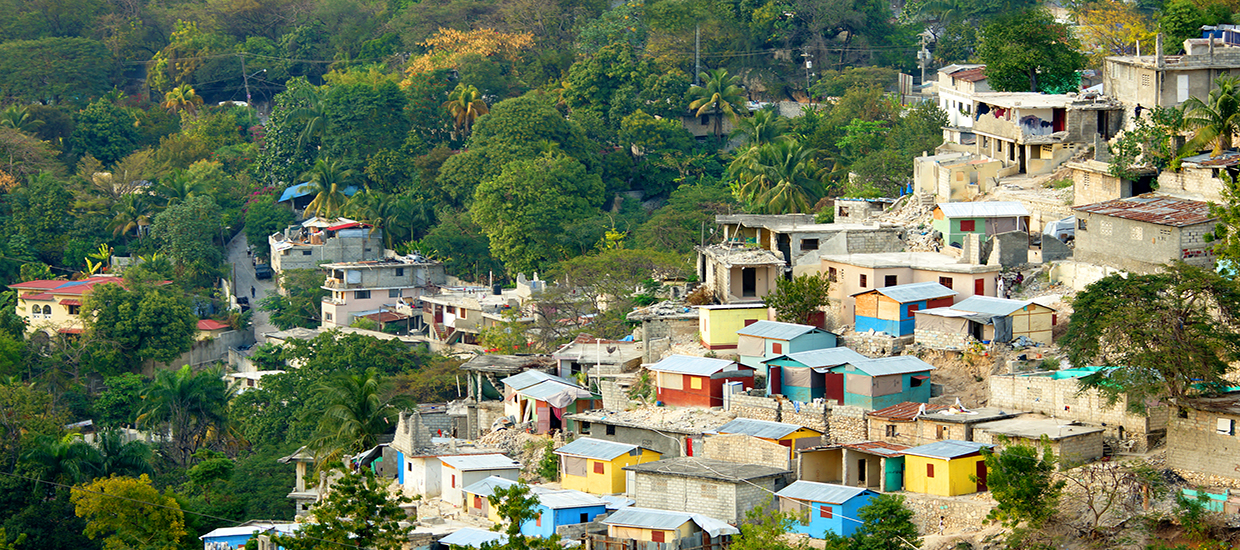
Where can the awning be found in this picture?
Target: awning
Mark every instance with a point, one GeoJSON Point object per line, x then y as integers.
{"type": "Point", "coordinates": [70, 331]}
{"type": "Point", "coordinates": [316, 222]}
{"type": "Point", "coordinates": [920, 377]}
{"type": "Point", "coordinates": [347, 225]}
{"type": "Point", "coordinates": [70, 302]}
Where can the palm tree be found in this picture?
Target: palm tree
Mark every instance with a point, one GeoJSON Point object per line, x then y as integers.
{"type": "Point", "coordinates": [329, 179]}
{"type": "Point", "coordinates": [466, 105]}
{"type": "Point", "coordinates": [310, 115]}
{"type": "Point", "coordinates": [191, 406]}
{"type": "Point", "coordinates": [763, 127]}
{"type": "Point", "coordinates": [66, 460]}
{"type": "Point", "coordinates": [1216, 119]}
{"type": "Point", "coordinates": [391, 214]}
{"type": "Point", "coordinates": [779, 178]}
{"type": "Point", "coordinates": [178, 186]}
{"type": "Point", "coordinates": [357, 413]}
{"type": "Point", "coordinates": [718, 95]}
{"type": "Point", "coordinates": [18, 118]}
{"type": "Point", "coordinates": [118, 457]}
{"type": "Point", "coordinates": [131, 213]}
{"type": "Point", "coordinates": [182, 98]}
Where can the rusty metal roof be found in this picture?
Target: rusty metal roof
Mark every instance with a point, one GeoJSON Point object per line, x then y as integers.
{"type": "Point", "coordinates": [1157, 210]}
{"type": "Point", "coordinates": [971, 75]}
{"type": "Point", "coordinates": [876, 447]}
{"type": "Point", "coordinates": [905, 411]}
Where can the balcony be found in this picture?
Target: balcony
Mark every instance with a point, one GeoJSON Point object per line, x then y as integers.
{"type": "Point", "coordinates": [334, 301]}
{"type": "Point", "coordinates": [333, 283]}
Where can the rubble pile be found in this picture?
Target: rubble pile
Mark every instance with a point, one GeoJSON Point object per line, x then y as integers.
{"type": "Point", "coordinates": [698, 420]}
{"type": "Point", "coordinates": [512, 442]}
{"type": "Point", "coordinates": [915, 218]}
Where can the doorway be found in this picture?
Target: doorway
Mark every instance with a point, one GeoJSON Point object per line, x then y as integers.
{"type": "Point", "coordinates": [981, 475]}
{"type": "Point", "coordinates": [749, 282]}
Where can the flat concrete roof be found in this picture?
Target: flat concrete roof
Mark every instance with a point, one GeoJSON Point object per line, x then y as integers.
{"type": "Point", "coordinates": [696, 467]}
{"type": "Point", "coordinates": [985, 414]}
{"type": "Point", "coordinates": [1035, 428]}
{"type": "Point", "coordinates": [931, 261]}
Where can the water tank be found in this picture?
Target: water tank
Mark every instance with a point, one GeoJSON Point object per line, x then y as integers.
{"type": "Point", "coordinates": [497, 289]}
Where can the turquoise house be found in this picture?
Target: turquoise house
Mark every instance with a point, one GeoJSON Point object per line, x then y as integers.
{"type": "Point", "coordinates": [892, 309]}
{"type": "Point", "coordinates": [830, 508]}
{"type": "Point", "coordinates": [805, 376]}
{"type": "Point", "coordinates": [768, 339]}
{"type": "Point", "coordinates": [955, 220]}
{"type": "Point", "coordinates": [880, 383]}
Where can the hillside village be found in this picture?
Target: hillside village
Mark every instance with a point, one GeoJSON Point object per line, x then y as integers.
{"type": "Point", "coordinates": [936, 346]}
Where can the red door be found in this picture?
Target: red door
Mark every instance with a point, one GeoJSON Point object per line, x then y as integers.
{"type": "Point", "coordinates": [835, 386]}
{"type": "Point", "coordinates": [979, 287]}
{"type": "Point", "coordinates": [774, 377]}
{"type": "Point", "coordinates": [981, 475]}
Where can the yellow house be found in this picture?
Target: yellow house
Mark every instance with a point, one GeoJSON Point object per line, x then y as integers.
{"type": "Point", "coordinates": [476, 503]}
{"type": "Point", "coordinates": [718, 324]}
{"type": "Point", "coordinates": [649, 525]}
{"type": "Point", "coordinates": [54, 305]}
{"type": "Point", "coordinates": [777, 432]}
{"type": "Point", "coordinates": [945, 468]}
{"type": "Point", "coordinates": [597, 466]}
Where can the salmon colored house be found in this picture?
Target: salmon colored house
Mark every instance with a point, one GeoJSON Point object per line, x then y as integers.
{"type": "Point", "coordinates": [686, 381]}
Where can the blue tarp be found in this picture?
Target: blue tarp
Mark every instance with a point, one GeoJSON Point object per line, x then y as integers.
{"type": "Point", "coordinates": [303, 189]}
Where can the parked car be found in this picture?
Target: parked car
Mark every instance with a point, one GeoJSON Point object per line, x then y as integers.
{"type": "Point", "coordinates": [262, 271]}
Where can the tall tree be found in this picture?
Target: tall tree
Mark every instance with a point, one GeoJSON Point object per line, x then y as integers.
{"type": "Point", "coordinates": [183, 98]}
{"type": "Point", "coordinates": [797, 300]}
{"type": "Point", "coordinates": [720, 94]}
{"type": "Point", "coordinates": [358, 412]}
{"type": "Point", "coordinates": [779, 177]}
{"type": "Point", "coordinates": [465, 104]}
{"type": "Point", "coordinates": [1028, 51]}
{"type": "Point", "coordinates": [1216, 119]}
{"type": "Point", "coordinates": [192, 406]}
{"type": "Point", "coordinates": [1023, 483]}
{"type": "Point", "coordinates": [129, 513]}
{"type": "Point", "coordinates": [358, 512]}
{"type": "Point", "coordinates": [1171, 334]}
{"type": "Point", "coordinates": [129, 326]}
{"type": "Point", "coordinates": [329, 179]}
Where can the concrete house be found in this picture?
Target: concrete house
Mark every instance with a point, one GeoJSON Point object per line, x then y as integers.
{"type": "Point", "coordinates": [597, 466]}
{"type": "Point", "coordinates": [957, 84]}
{"type": "Point", "coordinates": [584, 354]}
{"type": "Point", "coordinates": [806, 376]}
{"type": "Point", "coordinates": [236, 537]}
{"type": "Point", "coordinates": [798, 240]}
{"type": "Point", "coordinates": [718, 489]}
{"type": "Point", "coordinates": [874, 465]}
{"type": "Point", "coordinates": [738, 273]}
{"type": "Point", "coordinates": [687, 381]}
{"type": "Point", "coordinates": [891, 309]}
{"type": "Point", "coordinates": [636, 428]}
{"type": "Point", "coordinates": [460, 471]}
{"type": "Point", "coordinates": [854, 273]}
{"type": "Point", "coordinates": [1202, 436]}
{"type": "Point", "coordinates": [544, 399]}
{"type": "Point", "coordinates": [880, 383]}
{"type": "Point", "coordinates": [957, 219]}
{"type": "Point", "coordinates": [55, 306]}
{"type": "Point", "coordinates": [1071, 443]}
{"type": "Point", "coordinates": [945, 468]}
{"type": "Point", "coordinates": [362, 288]}
{"type": "Point", "coordinates": [1158, 80]}
{"type": "Point", "coordinates": [1056, 394]}
{"type": "Point", "coordinates": [853, 210]}
{"type": "Point", "coordinates": [316, 241]}
{"type": "Point", "coordinates": [957, 423]}
{"type": "Point", "coordinates": [1199, 178]}
{"type": "Point", "coordinates": [956, 176]}
{"type": "Point", "coordinates": [825, 507]}
{"type": "Point", "coordinates": [458, 316]}
{"type": "Point", "coordinates": [767, 339]}
{"type": "Point", "coordinates": [791, 436]}
{"type": "Point", "coordinates": [304, 495]}
{"type": "Point", "coordinates": [983, 318]}
{"type": "Point", "coordinates": [897, 424]}
{"type": "Point", "coordinates": [1143, 234]}
{"type": "Point", "coordinates": [1092, 182]}
{"type": "Point", "coordinates": [663, 526]}
{"type": "Point", "coordinates": [718, 325]}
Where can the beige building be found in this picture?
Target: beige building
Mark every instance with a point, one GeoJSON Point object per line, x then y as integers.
{"type": "Point", "coordinates": [799, 241]}
{"type": "Point", "coordinates": [458, 316]}
{"type": "Point", "coordinates": [1071, 443]}
{"type": "Point", "coordinates": [54, 306]}
{"type": "Point", "coordinates": [957, 176]}
{"type": "Point", "coordinates": [1202, 436]}
{"type": "Point", "coordinates": [984, 318]}
{"type": "Point", "coordinates": [360, 289]}
{"type": "Point", "coordinates": [853, 273]}
{"type": "Point", "coordinates": [738, 273]}
{"type": "Point", "coordinates": [1143, 234]}
{"type": "Point", "coordinates": [1160, 80]}
{"type": "Point", "coordinates": [1200, 177]}
{"type": "Point", "coordinates": [1092, 182]}
{"type": "Point", "coordinates": [318, 241]}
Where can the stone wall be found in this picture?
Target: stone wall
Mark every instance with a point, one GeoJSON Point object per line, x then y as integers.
{"type": "Point", "coordinates": [1194, 444]}
{"type": "Point", "coordinates": [1009, 249]}
{"type": "Point", "coordinates": [717, 499]}
{"type": "Point", "coordinates": [487, 413]}
{"type": "Point", "coordinates": [935, 339]}
{"type": "Point", "coordinates": [678, 330]}
{"type": "Point", "coordinates": [948, 515]}
{"type": "Point", "coordinates": [875, 344]}
{"type": "Point", "coordinates": [838, 423]}
{"type": "Point", "coordinates": [615, 398]}
{"type": "Point", "coordinates": [1194, 248]}
{"type": "Point", "coordinates": [1054, 250]}
{"type": "Point", "coordinates": [1078, 275]}
{"type": "Point", "coordinates": [746, 449]}
{"type": "Point", "coordinates": [1071, 451]}
{"type": "Point", "coordinates": [1058, 398]}
{"type": "Point", "coordinates": [1192, 183]}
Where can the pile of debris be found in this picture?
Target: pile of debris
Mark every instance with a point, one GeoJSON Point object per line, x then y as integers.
{"type": "Point", "coordinates": [915, 217]}
{"type": "Point", "coordinates": [512, 442]}
{"type": "Point", "coordinates": [694, 420]}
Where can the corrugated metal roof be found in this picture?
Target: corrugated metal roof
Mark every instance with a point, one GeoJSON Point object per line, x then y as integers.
{"type": "Point", "coordinates": [1230, 157]}
{"type": "Point", "coordinates": [991, 209]}
{"type": "Point", "coordinates": [827, 357]}
{"type": "Point", "coordinates": [821, 492]}
{"type": "Point", "coordinates": [559, 500]}
{"type": "Point", "coordinates": [877, 447]}
{"type": "Point", "coordinates": [663, 520]}
{"type": "Point", "coordinates": [1157, 210]}
{"type": "Point", "coordinates": [914, 292]}
{"type": "Point", "coordinates": [487, 486]}
{"type": "Point", "coordinates": [686, 364]}
{"type": "Point", "coordinates": [467, 463]}
{"type": "Point", "coordinates": [283, 528]}
{"type": "Point", "coordinates": [758, 428]}
{"type": "Point", "coordinates": [971, 75]}
{"type": "Point", "coordinates": [905, 411]}
{"type": "Point", "coordinates": [589, 447]}
{"type": "Point", "coordinates": [776, 330]}
{"type": "Point", "coordinates": [948, 449]}
{"type": "Point", "coordinates": [899, 364]}
{"type": "Point", "coordinates": [547, 388]}
{"type": "Point", "coordinates": [529, 378]}
{"type": "Point", "coordinates": [989, 305]}
{"type": "Point", "coordinates": [474, 538]}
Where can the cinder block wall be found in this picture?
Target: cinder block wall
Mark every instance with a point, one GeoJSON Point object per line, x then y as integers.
{"type": "Point", "coordinates": [935, 339]}
{"type": "Point", "coordinates": [1193, 443]}
{"type": "Point", "coordinates": [1059, 398]}
{"type": "Point", "coordinates": [744, 449]}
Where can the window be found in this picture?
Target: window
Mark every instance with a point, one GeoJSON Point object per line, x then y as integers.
{"type": "Point", "coordinates": [599, 467]}
{"type": "Point", "coordinates": [1136, 233]}
{"type": "Point", "coordinates": [585, 518]}
{"type": "Point", "coordinates": [477, 501]}
{"type": "Point", "coordinates": [1226, 426]}
{"type": "Point", "coordinates": [585, 428]}
{"type": "Point", "coordinates": [709, 490]}
{"type": "Point", "coordinates": [825, 512]}
{"type": "Point", "coordinates": [305, 252]}
{"type": "Point", "coordinates": [891, 430]}
{"type": "Point", "coordinates": [1145, 80]}
{"type": "Point", "coordinates": [658, 536]}
{"type": "Point", "coordinates": [777, 347]}
{"type": "Point", "coordinates": [611, 429]}
{"type": "Point", "coordinates": [967, 225]}
{"type": "Point", "coordinates": [940, 432]}
{"type": "Point", "coordinates": [393, 293]}
{"type": "Point", "coordinates": [695, 382]}
{"type": "Point", "coordinates": [917, 381]}
{"type": "Point", "coordinates": [47, 311]}
{"type": "Point", "coordinates": [538, 520]}
{"type": "Point", "coordinates": [74, 310]}
{"type": "Point", "coordinates": [361, 294]}
{"type": "Point", "coordinates": [891, 280]}
{"type": "Point", "coordinates": [831, 274]}
{"type": "Point", "coordinates": [945, 281]}
{"type": "Point", "coordinates": [809, 244]}
{"type": "Point", "coordinates": [1080, 224]}
{"type": "Point", "coordinates": [929, 470]}
{"type": "Point", "coordinates": [400, 272]}
{"type": "Point", "coordinates": [863, 281]}
{"type": "Point", "coordinates": [327, 316]}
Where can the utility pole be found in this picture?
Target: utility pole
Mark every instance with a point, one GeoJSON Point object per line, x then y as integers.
{"type": "Point", "coordinates": [697, 54]}
{"type": "Point", "coordinates": [808, 65]}
{"type": "Point", "coordinates": [245, 77]}
{"type": "Point", "coordinates": [923, 58]}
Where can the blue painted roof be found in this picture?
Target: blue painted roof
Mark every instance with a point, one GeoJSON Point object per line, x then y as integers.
{"type": "Point", "coordinates": [758, 428]}
{"type": "Point", "coordinates": [947, 449]}
{"type": "Point", "coordinates": [777, 330]}
{"type": "Point", "coordinates": [307, 188]}
{"type": "Point", "coordinates": [589, 447]}
{"type": "Point", "coordinates": [827, 357]}
{"type": "Point", "coordinates": [473, 538]}
{"type": "Point", "coordinates": [686, 364]}
{"type": "Point", "coordinates": [821, 492]}
{"type": "Point", "coordinates": [900, 364]}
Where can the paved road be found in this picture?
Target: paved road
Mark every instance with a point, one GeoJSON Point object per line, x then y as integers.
{"type": "Point", "coordinates": [245, 281]}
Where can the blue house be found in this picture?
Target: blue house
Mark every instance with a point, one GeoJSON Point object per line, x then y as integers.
{"type": "Point", "coordinates": [767, 339]}
{"type": "Point", "coordinates": [805, 376]}
{"type": "Point", "coordinates": [556, 508]}
{"type": "Point", "coordinates": [891, 309]}
{"type": "Point", "coordinates": [880, 383]}
{"type": "Point", "coordinates": [830, 508]}
{"type": "Point", "coordinates": [229, 538]}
